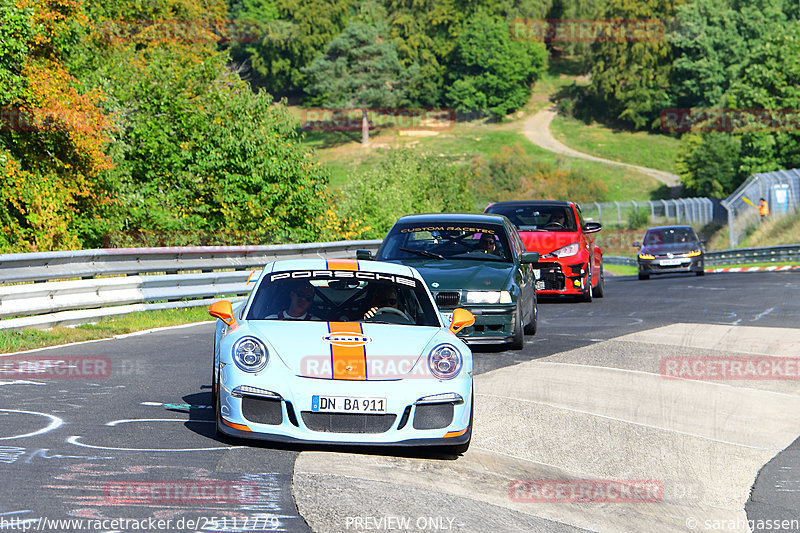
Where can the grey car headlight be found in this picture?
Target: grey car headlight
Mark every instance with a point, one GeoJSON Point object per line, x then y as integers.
{"type": "Point", "coordinates": [250, 354]}
{"type": "Point", "coordinates": [445, 361]}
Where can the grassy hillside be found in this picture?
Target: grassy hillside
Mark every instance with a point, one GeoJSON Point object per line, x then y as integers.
{"type": "Point", "coordinates": [784, 230]}
{"type": "Point", "coordinates": [343, 154]}
{"type": "Point", "coordinates": [637, 148]}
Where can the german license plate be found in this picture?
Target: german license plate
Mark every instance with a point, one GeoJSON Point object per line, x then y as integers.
{"type": "Point", "coordinates": [347, 404]}
{"type": "Point", "coordinates": [671, 262]}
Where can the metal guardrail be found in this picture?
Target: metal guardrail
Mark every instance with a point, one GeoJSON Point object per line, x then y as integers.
{"type": "Point", "coordinates": [774, 254]}
{"type": "Point", "coordinates": [44, 266]}
{"type": "Point", "coordinates": [143, 279]}
{"type": "Point", "coordinates": [48, 293]}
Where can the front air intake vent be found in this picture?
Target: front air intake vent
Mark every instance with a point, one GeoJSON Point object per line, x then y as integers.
{"type": "Point", "coordinates": [448, 298]}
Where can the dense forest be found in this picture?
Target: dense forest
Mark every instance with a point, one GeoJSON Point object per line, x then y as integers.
{"type": "Point", "coordinates": [126, 118]}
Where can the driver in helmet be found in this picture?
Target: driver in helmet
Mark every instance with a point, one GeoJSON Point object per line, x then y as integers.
{"type": "Point", "coordinates": [558, 218]}
{"type": "Point", "coordinates": [384, 296]}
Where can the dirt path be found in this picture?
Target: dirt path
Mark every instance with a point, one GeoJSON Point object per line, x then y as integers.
{"type": "Point", "coordinates": [537, 129]}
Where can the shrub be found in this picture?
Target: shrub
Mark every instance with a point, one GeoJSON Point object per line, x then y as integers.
{"type": "Point", "coordinates": [401, 183]}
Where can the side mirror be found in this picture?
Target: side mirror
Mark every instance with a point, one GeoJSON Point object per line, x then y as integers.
{"type": "Point", "coordinates": [461, 319]}
{"type": "Point", "coordinates": [592, 227]}
{"type": "Point", "coordinates": [529, 257]}
{"type": "Point", "coordinates": [224, 311]}
{"type": "Point", "coordinates": [363, 255]}
{"type": "Point", "coordinates": [637, 244]}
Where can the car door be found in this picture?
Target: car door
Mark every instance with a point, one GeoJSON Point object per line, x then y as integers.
{"type": "Point", "coordinates": [587, 242]}
{"type": "Point", "coordinates": [523, 274]}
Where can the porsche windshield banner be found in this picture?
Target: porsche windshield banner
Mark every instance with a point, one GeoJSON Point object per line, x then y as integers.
{"type": "Point", "coordinates": [343, 274]}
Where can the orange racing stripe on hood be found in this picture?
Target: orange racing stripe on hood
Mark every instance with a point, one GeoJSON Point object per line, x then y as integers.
{"type": "Point", "coordinates": [342, 264]}
{"type": "Point", "coordinates": [348, 360]}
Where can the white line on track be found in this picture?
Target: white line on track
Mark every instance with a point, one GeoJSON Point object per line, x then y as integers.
{"type": "Point", "coordinates": [117, 422]}
{"type": "Point", "coordinates": [74, 440]}
{"type": "Point", "coordinates": [54, 423]}
{"type": "Point", "coordinates": [762, 315]}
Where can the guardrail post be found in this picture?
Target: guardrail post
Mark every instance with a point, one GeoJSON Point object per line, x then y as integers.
{"type": "Point", "coordinates": [731, 219]}
{"type": "Point", "coordinates": [652, 210]}
{"type": "Point", "coordinates": [599, 212]}
{"type": "Point", "coordinates": [666, 209]}
{"type": "Point", "coordinates": [619, 213]}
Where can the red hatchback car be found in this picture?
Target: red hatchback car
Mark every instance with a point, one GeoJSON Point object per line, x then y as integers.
{"type": "Point", "coordinates": [570, 263]}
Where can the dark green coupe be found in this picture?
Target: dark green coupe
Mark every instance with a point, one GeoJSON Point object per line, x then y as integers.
{"type": "Point", "coordinates": [476, 262]}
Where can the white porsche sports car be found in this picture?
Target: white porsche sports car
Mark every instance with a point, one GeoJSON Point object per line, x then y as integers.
{"type": "Point", "coordinates": [342, 351]}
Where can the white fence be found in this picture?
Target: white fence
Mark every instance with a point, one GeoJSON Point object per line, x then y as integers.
{"type": "Point", "coordinates": [781, 190]}
{"type": "Point", "coordinates": [681, 210]}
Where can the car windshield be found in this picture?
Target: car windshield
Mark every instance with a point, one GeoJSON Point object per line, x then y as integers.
{"type": "Point", "coordinates": [343, 296]}
{"type": "Point", "coordinates": [537, 217]}
{"type": "Point", "coordinates": [483, 242]}
{"type": "Point", "coordinates": [669, 236]}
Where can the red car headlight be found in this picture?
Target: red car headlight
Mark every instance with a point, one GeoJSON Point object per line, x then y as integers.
{"type": "Point", "coordinates": [566, 251]}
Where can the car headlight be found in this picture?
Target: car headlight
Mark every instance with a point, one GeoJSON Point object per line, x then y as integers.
{"type": "Point", "coordinates": [693, 253]}
{"type": "Point", "coordinates": [646, 256]}
{"type": "Point", "coordinates": [566, 251]}
{"type": "Point", "coordinates": [488, 297]}
{"type": "Point", "coordinates": [250, 354]}
{"type": "Point", "coordinates": [445, 361]}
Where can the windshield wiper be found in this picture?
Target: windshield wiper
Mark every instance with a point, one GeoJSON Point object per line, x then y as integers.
{"type": "Point", "coordinates": [424, 253]}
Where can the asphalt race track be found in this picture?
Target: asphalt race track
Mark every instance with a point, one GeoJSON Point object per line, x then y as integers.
{"type": "Point", "coordinates": [604, 422]}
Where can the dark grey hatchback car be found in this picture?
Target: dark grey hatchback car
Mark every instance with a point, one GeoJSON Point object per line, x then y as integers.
{"type": "Point", "coordinates": [670, 249]}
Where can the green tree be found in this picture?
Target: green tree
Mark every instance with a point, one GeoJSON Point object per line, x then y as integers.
{"type": "Point", "coordinates": [286, 36]}
{"type": "Point", "coordinates": [52, 152]}
{"type": "Point", "coordinates": [630, 78]}
{"type": "Point", "coordinates": [359, 70]}
{"type": "Point", "coordinates": [490, 71]}
{"type": "Point", "coordinates": [708, 164]}
{"type": "Point", "coordinates": [771, 81]}
{"type": "Point", "coordinates": [712, 41]}
{"type": "Point", "coordinates": [400, 183]}
{"type": "Point", "coordinates": [196, 151]}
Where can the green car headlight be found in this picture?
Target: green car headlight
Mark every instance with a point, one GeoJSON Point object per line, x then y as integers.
{"type": "Point", "coordinates": [488, 297]}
